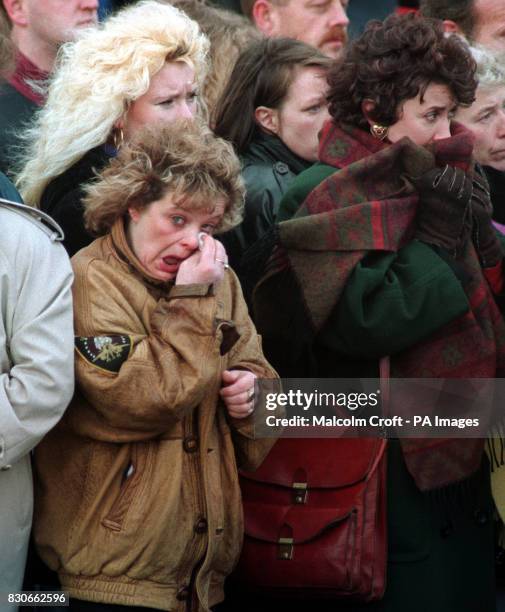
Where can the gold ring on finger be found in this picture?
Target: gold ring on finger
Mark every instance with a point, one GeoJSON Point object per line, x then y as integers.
{"type": "Point", "coordinates": [225, 263]}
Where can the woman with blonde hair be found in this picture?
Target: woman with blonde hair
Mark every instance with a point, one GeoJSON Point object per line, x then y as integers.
{"type": "Point", "coordinates": [142, 66]}
{"type": "Point", "coordinates": [138, 501]}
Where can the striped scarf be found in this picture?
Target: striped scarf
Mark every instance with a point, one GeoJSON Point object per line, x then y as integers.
{"type": "Point", "coordinates": [369, 205]}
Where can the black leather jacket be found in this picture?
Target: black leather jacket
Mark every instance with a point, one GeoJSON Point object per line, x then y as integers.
{"type": "Point", "coordinates": [268, 167]}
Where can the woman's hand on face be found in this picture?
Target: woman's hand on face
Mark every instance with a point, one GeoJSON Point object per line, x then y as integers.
{"type": "Point", "coordinates": [237, 392]}
{"type": "Point", "coordinates": [448, 182]}
{"type": "Point", "coordinates": [205, 266]}
{"type": "Point", "coordinates": [443, 216]}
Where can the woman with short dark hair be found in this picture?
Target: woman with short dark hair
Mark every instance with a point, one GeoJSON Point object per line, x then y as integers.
{"type": "Point", "coordinates": [392, 254]}
{"type": "Point", "coordinates": [390, 64]}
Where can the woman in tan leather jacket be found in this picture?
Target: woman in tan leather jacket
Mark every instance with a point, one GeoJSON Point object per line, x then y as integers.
{"type": "Point", "coordinates": [137, 496]}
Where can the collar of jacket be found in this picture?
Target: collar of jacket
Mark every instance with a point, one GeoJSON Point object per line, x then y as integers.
{"type": "Point", "coordinates": [341, 145]}
{"type": "Point", "coordinates": [270, 148]}
{"type": "Point", "coordinates": [125, 253]}
{"type": "Point", "coordinates": [26, 71]}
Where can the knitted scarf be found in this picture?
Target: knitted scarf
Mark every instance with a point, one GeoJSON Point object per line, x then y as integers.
{"type": "Point", "coordinates": [369, 205]}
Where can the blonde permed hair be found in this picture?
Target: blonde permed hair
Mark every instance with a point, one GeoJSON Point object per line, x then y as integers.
{"type": "Point", "coordinates": [183, 159]}
{"type": "Point", "coordinates": [96, 79]}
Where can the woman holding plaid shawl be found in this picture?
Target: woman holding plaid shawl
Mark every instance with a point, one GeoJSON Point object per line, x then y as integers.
{"type": "Point", "coordinates": [391, 252]}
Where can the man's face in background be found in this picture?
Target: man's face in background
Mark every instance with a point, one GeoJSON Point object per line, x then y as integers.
{"type": "Point", "coordinates": [489, 30]}
{"type": "Point", "coordinates": [57, 21]}
{"type": "Point", "coordinates": [320, 23]}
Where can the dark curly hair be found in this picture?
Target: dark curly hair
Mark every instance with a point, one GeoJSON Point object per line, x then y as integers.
{"type": "Point", "coordinates": [393, 61]}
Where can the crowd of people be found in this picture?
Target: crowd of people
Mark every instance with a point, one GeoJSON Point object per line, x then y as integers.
{"type": "Point", "coordinates": [194, 200]}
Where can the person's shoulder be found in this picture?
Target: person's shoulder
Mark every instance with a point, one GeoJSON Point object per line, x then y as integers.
{"type": "Point", "coordinates": [97, 253]}
{"type": "Point", "coordinates": [262, 159]}
{"type": "Point", "coordinates": [256, 161]}
{"type": "Point", "coordinates": [88, 165]}
{"type": "Point", "coordinates": [259, 176]}
{"type": "Point", "coordinates": [310, 178]}
{"type": "Point", "coordinates": [20, 220]}
{"type": "Point", "coordinates": [10, 95]}
{"type": "Point", "coordinates": [29, 221]}
{"type": "Point", "coordinates": [14, 106]}
{"type": "Point", "coordinates": [266, 178]}
{"type": "Point", "coordinates": [30, 245]}
{"type": "Point", "coordinates": [98, 264]}
{"type": "Point", "coordinates": [256, 153]}
{"type": "Point", "coordinates": [300, 188]}
{"type": "Point", "coordinates": [67, 187]}
{"type": "Point", "coordinates": [16, 112]}
{"type": "Point", "coordinates": [7, 189]}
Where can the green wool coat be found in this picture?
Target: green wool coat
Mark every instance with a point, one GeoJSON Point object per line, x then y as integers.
{"type": "Point", "coordinates": [441, 552]}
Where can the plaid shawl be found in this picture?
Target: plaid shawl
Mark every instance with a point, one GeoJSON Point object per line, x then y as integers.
{"type": "Point", "coordinates": [369, 205]}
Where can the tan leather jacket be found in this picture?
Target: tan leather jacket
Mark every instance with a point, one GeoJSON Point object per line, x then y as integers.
{"type": "Point", "coordinates": [138, 501]}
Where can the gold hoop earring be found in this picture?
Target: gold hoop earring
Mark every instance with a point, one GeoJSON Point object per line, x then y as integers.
{"type": "Point", "coordinates": [379, 131]}
{"type": "Point", "coordinates": [118, 138]}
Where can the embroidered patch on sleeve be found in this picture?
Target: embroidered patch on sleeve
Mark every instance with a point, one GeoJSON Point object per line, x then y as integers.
{"type": "Point", "coordinates": [104, 352]}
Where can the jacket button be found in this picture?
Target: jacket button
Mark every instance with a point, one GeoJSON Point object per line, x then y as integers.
{"type": "Point", "coordinates": [190, 444]}
{"type": "Point", "coordinates": [201, 526]}
{"type": "Point", "coordinates": [182, 594]}
{"type": "Point", "coordinates": [281, 167]}
{"type": "Point", "coordinates": [481, 517]}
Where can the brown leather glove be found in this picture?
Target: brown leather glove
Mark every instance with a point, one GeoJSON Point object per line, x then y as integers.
{"type": "Point", "coordinates": [443, 216]}
{"type": "Point", "coordinates": [484, 235]}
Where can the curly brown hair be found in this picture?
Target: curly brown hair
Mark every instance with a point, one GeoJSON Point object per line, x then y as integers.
{"type": "Point", "coordinates": [184, 159]}
{"type": "Point", "coordinates": [394, 61]}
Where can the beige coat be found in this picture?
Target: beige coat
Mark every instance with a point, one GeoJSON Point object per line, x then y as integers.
{"type": "Point", "coordinates": [138, 501]}
{"type": "Point", "coordinates": [36, 366]}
